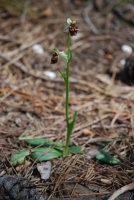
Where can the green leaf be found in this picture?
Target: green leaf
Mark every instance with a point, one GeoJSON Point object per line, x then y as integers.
{"type": "Point", "coordinates": [44, 154]}
{"type": "Point", "coordinates": [107, 158]}
{"type": "Point", "coordinates": [62, 74]}
{"type": "Point", "coordinates": [76, 150]}
{"type": "Point", "coordinates": [71, 124]}
{"type": "Point", "coordinates": [58, 148]}
{"type": "Point", "coordinates": [39, 141]}
{"type": "Point", "coordinates": [19, 157]}
{"type": "Point", "coordinates": [69, 54]}
{"type": "Point", "coordinates": [58, 144]}
{"type": "Point", "coordinates": [43, 142]}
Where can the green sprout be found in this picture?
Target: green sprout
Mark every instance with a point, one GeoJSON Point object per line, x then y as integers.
{"type": "Point", "coordinates": [71, 30]}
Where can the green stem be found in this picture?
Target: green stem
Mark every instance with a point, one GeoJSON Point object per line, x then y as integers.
{"type": "Point", "coordinates": [67, 99]}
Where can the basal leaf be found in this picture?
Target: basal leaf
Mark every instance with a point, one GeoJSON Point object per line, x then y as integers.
{"type": "Point", "coordinates": [107, 158]}
{"type": "Point", "coordinates": [58, 144]}
{"type": "Point", "coordinates": [39, 141]}
{"type": "Point", "coordinates": [76, 150]}
{"type": "Point", "coordinates": [43, 142]}
{"type": "Point", "coordinates": [44, 154]}
{"type": "Point", "coordinates": [19, 157]}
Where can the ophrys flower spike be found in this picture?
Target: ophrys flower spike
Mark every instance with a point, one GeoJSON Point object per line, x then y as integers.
{"type": "Point", "coordinates": [71, 30]}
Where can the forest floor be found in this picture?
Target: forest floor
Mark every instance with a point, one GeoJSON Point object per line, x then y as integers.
{"type": "Point", "coordinates": [32, 101]}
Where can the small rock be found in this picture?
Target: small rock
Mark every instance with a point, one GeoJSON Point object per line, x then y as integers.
{"type": "Point", "coordinates": [92, 153]}
{"type": "Point", "coordinates": [17, 188]}
{"type": "Point", "coordinates": [44, 169]}
{"type": "Point", "coordinates": [17, 121]}
{"type": "Point", "coordinates": [50, 74]}
{"type": "Point", "coordinates": [123, 62]}
{"type": "Point", "coordinates": [127, 49]}
{"type": "Point", "coordinates": [38, 49]}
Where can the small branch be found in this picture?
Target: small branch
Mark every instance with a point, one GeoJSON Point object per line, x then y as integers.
{"type": "Point", "coordinates": [88, 21]}
{"type": "Point", "coordinates": [122, 190]}
{"type": "Point", "coordinates": [22, 67]}
{"type": "Point", "coordinates": [13, 61]}
{"type": "Point", "coordinates": [6, 39]}
{"type": "Point", "coordinates": [24, 13]}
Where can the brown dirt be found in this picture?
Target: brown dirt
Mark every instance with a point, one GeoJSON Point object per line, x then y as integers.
{"type": "Point", "coordinates": [33, 104]}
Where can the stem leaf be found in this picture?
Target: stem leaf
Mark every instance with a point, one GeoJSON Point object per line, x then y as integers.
{"type": "Point", "coordinates": [69, 54]}
{"type": "Point", "coordinates": [62, 74]}
{"type": "Point", "coordinates": [71, 124]}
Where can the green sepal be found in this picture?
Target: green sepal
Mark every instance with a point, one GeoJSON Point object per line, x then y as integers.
{"type": "Point", "coordinates": [19, 157]}
{"type": "Point", "coordinates": [63, 55]}
{"type": "Point", "coordinates": [66, 29]}
{"type": "Point", "coordinates": [107, 158]}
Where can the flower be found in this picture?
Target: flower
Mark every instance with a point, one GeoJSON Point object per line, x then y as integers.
{"type": "Point", "coordinates": [56, 54]}
{"type": "Point", "coordinates": [71, 27]}
{"type": "Point", "coordinates": [54, 58]}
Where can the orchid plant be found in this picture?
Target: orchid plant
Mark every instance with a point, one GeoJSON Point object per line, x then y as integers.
{"type": "Point", "coordinates": [46, 149]}
{"type": "Point", "coordinates": [71, 30]}
{"type": "Point", "coordinates": [55, 149]}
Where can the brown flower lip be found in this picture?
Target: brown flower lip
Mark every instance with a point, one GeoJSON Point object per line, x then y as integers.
{"type": "Point", "coordinates": [73, 30]}
{"type": "Point", "coordinates": [54, 58]}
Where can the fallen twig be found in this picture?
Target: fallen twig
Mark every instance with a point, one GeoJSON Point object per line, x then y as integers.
{"type": "Point", "coordinates": [122, 190]}
{"type": "Point", "coordinates": [88, 20]}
